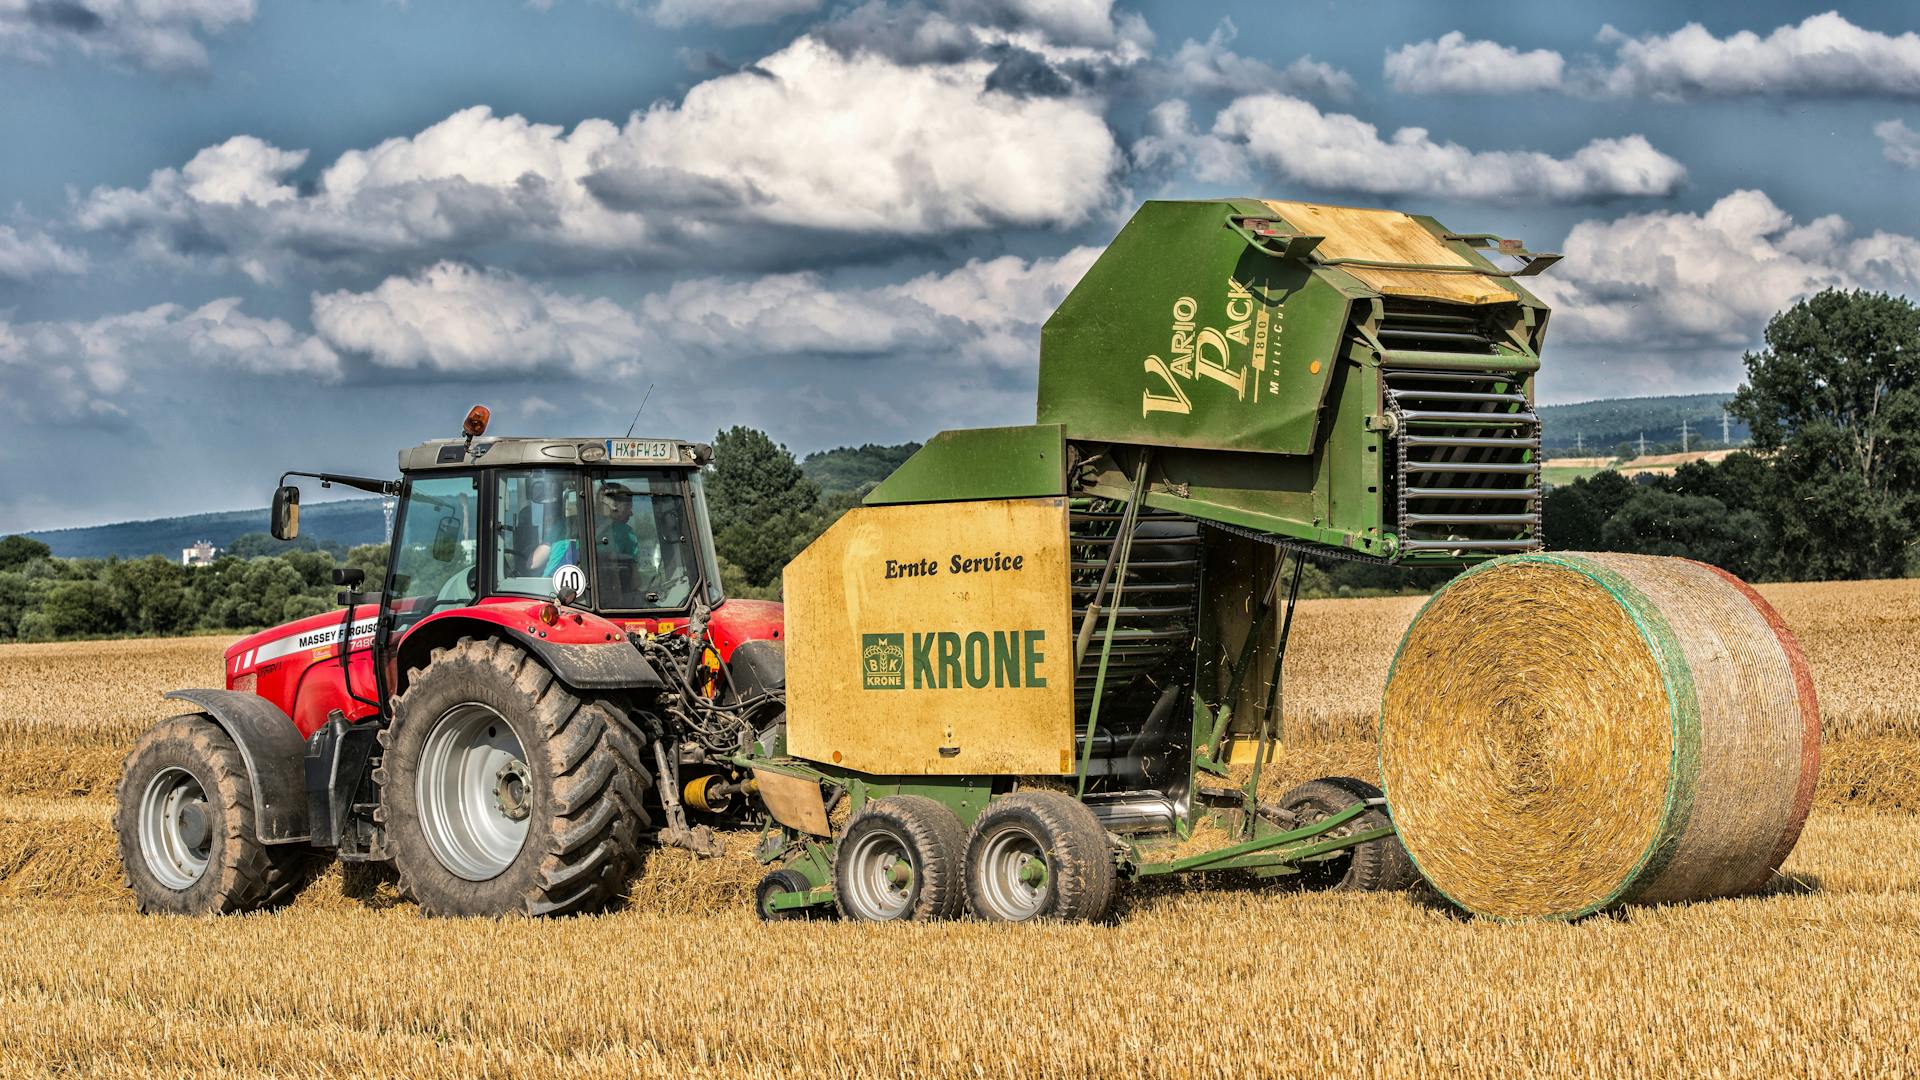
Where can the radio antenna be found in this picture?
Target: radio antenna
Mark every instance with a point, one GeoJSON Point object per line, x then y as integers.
{"type": "Point", "coordinates": [638, 411]}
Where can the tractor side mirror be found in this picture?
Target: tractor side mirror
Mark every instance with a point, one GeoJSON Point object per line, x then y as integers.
{"type": "Point", "coordinates": [286, 513]}
{"type": "Point", "coordinates": [446, 539]}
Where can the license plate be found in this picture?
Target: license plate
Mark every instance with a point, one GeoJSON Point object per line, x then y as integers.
{"type": "Point", "coordinates": [640, 450]}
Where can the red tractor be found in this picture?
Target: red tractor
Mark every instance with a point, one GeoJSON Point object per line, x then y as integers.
{"type": "Point", "coordinates": [548, 678]}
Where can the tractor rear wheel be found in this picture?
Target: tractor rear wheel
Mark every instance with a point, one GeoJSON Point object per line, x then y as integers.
{"type": "Point", "coordinates": [1039, 855]}
{"type": "Point", "coordinates": [503, 792]}
{"type": "Point", "coordinates": [900, 858]}
{"type": "Point", "coordinates": [185, 825]}
{"type": "Point", "coordinates": [1378, 865]}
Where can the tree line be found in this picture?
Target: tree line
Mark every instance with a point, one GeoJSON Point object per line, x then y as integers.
{"type": "Point", "coordinates": [1830, 489]}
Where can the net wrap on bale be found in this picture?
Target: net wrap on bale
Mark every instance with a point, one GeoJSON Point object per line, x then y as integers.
{"type": "Point", "coordinates": [1567, 732]}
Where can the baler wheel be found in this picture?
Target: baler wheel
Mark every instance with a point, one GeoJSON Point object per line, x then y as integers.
{"type": "Point", "coordinates": [1378, 865]}
{"type": "Point", "coordinates": [1039, 855]}
{"type": "Point", "coordinates": [503, 792]}
{"type": "Point", "coordinates": [780, 881]}
{"type": "Point", "coordinates": [900, 858]}
{"type": "Point", "coordinates": [184, 820]}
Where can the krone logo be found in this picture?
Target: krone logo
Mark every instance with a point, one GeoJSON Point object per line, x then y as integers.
{"type": "Point", "coordinates": [883, 661]}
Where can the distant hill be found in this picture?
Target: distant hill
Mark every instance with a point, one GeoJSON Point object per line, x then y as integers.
{"type": "Point", "coordinates": [347, 522]}
{"type": "Point", "coordinates": [850, 468]}
{"type": "Point", "coordinates": [1599, 426]}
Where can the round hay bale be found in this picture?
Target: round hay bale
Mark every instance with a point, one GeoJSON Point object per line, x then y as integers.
{"type": "Point", "coordinates": [1567, 732]}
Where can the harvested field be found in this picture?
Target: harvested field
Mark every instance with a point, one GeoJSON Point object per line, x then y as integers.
{"type": "Point", "coordinates": [1813, 978]}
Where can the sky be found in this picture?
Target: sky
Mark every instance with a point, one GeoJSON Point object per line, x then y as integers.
{"type": "Point", "coordinates": [244, 236]}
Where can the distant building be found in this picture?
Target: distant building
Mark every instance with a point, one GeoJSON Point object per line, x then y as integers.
{"type": "Point", "coordinates": [200, 554]}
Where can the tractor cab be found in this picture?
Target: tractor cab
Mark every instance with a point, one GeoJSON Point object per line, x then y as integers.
{"type": "Point", "coordinates": [617, 527]}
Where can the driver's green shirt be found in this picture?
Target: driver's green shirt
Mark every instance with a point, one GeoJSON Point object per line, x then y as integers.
{"type": "Point", "coordinates": [617, 537]}
{"type": "Point", "coordinates": [620, 538]}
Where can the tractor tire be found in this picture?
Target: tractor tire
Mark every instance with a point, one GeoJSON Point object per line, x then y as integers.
{"type": "Point", "coordinates": [780, 881]}
{"type": "Point", "coordinates": [900, 858]}
{"type": "Point", "coordinates": [1378, 865]}
{"type": "Point", "coordinates": [502, 792]}
{"type": "Point", "coordinates": [185, 825]}
{"type": "Point", "coordinates": [1039, 855]}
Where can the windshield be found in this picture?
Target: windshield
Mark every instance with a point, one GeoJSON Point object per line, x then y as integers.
{"type": "Point", "coordinates": [542, 515]}
{"type": "Point", "coordinates": [642, 547]}
{"type": "Point", "coordinates": [434, 559]}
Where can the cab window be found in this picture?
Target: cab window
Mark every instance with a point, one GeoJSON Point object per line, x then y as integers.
{"type": "Point", "coordinates": [642, 544]}
{"type": "Point", "coordinates": [436, 559]}
{"type": "Point", "coordinates": [542, 514]}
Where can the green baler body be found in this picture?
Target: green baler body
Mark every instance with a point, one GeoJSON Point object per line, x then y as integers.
{"type": "Point", "coordinates": [1280, 376]}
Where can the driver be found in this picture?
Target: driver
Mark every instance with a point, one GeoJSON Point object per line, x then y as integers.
{"type": "Point", "coordinates": [616, 531]}
{"type": "Point", "coordinates": [615, 534]}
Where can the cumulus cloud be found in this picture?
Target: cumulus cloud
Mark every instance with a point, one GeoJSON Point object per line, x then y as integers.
{"type": "Point", "coordinates": [1043, 48]}
{"type": "Point", "coordinates": [1212, 67]}
{"type": "Point", "coordinates": [809, 142]}
{"type": "Point", "coordinates": [1451, 64]}
{"type": "Point", "coordinates": [1673, 281]}
{"type": "Point", "coordinates": [989, 311]}
{"type": "Point", "coordinates": [155, 35]}
{"type": "Point", "coordinates": [1293, 141]}
{"type": "Point", "coordinates": [456, 319]}
{"type": "Point", "coordinates": [1900, 144]}
{"type": "Point", "coordinates": [1822, 56]}
{"type": "Point", "coordinates": [28, 255]}
{"type": "Point", "coordinates": [729, 12]}
{"type": "Point", "coordinates": [81, 368]}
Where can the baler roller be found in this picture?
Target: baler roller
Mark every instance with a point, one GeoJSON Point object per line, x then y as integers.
{"type": "Point", "coordinates": [1470, 519]}
{"type": "Point", "coordinates": [1472, 493]}
{"type": "Point", "coordinates": [1523, 443]}
{"type": "Point", "coordinates": [1522, 544]}
{"type": "Point", "coordinates": [1466, 419]}
{"type": "Point", "coordinates": [1507, 467]}
{"type": "Point", "coordinates": [1487, 398]}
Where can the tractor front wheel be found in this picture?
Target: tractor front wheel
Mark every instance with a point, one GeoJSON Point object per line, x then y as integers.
{"type": "Point", "coordinates": [184, 820]}
{"type": "Point", "coordinates": [504, 793]}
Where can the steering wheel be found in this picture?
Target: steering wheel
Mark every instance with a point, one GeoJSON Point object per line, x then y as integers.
{"type": "Point", "coordinates": [670, 581]}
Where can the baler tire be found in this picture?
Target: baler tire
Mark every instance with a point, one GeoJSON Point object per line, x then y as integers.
{"type": "Point", "coordinates": [582, 790]}
{"type": "Point", "coordinates": [240, 873]}
{"type": "Point", "coordinates": [1079, 878]}
{"type": "Point", "coordinates": [1379, 865]}
{"type": "Point", "coordinates": [779, 881]}
{"type": "Point", "coordinates": [927, 834]}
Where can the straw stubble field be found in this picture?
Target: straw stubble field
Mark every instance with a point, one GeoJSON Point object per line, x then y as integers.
{"type": "Point", "coordinates": [1814, 977]}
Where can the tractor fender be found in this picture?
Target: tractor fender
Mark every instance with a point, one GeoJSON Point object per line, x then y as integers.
{"type": "Point", "coordinates": [615, 666]}
{"type": "Point", "coordinates": [274, 753]}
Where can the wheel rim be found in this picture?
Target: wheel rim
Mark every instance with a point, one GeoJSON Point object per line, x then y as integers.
{"type": "Point", "coordinates": [879, 880]}
{"type": "Point", "coordinates": [1332, 870]}
{"type": "Point", "coordinates": [475, 792]}
{"type": "Point", "coordinates": [176, 828]}
{"type": "Point", "coordinates": [1012, 872]}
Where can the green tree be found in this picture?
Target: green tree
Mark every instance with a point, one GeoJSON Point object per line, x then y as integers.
{"type": "Point", "coordinates": [1660, 522]}
{"type": "Point", "coordinates": [1835, 398]}
{"type": "Point", "coordinates": [1573, 515]}
{"type": "Point", "coordinates": [81, 608]}
{"type": "Point", "coordinates": [762, 505]}
{"type": "Point", "coordinates": [18, 551]}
